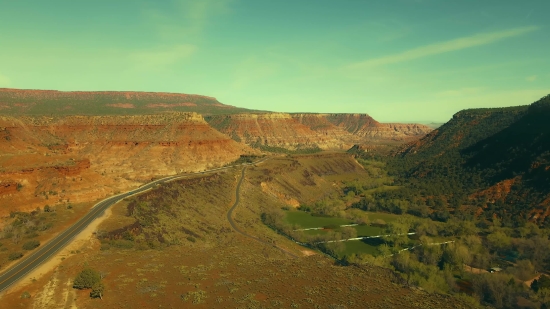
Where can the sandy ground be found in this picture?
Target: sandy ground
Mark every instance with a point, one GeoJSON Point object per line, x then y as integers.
{"type": "Point", "coordinates": [82, 240]}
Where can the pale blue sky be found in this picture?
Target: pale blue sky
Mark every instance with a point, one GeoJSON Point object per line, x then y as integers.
{"type": "Point", "coordinates": [397, 60]}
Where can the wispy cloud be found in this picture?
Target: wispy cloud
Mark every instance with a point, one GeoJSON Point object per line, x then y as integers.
{"type": "Point", "coordinates": [4, 81]}
{"type": "Point", "coordinates": [186, 19]}
{"type": "Point", "coordinates": [252, 70]}
{"type": "Point", "coordinates": [443, 47]}
{"type": "Point", "coordinates": [162, 58]}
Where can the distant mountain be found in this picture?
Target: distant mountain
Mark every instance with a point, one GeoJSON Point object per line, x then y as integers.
{"type": "Point", "coordinates": [433, 125]}
{"type": "Point", "coordinates": [495, 159]}
{"type": "Point", "coordinates": [51, 102]}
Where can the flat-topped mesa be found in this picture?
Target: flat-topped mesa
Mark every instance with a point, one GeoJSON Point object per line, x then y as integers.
{"type": "Point", "coordinates": [273, 130]}
{"type": "Point", "coordinates": [48, 102]}
{"type": "Point", "coordinates": [84, 158]}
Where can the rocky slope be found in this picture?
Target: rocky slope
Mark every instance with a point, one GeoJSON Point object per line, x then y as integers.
{"type": "Point", "coordinates": [326, 131]}
{"type": "Point", "coordinates": [58, 160]}
{"type": "Point", "coordinates": [498, 159]}
{"type": "Point", "coordinates": [50, 102]}
{"type": "Point", "coordinates": [274, 130]}
{"type": "Point", "coordinates": [363, 125]}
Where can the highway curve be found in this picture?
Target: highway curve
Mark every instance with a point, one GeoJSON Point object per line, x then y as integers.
{"type": "Point", "coordinates": [42, 253]}
{"type": "Point", "coordinates": [234, 226]}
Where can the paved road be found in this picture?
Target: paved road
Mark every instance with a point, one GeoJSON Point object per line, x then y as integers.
{"type": "Point", "coordinates": [44, 252]}
{"type": "Point", "coordinates": [234, 226]}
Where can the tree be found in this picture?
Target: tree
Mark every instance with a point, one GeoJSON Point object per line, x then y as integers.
{"type": "Point", "coordinates": [542, 283]}
{"type": "Point", "coordinates": [348, 232]}
{"type": "Point", "coordinates": [498, 241]}
{"type": "Point", "coordinates": [86, 279]}
{"type": "Point", "coordinates": [97, 290]}
{"type": "Point", "coordinates": [397, 233]}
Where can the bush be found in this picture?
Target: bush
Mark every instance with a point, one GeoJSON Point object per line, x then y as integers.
{"type": "Point", "coordinates": [86, 279]}
{"type": "Point", "coordinates": [26, 294]}
{"type": "Point", "coordinates": [31, 235]}
{"type": "Point", "coordinates": [191, 239]}
{"type": "Point", "coordinates": [122, 244]}
{"type": "Point", "coordinates": [97, 290]}
{"type": "Point", "coordinates": [15, 256]}
{"type": "Point", "coordinates": [31, 244]}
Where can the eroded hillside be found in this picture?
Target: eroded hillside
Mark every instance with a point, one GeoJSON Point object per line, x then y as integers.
{"type": "Point", "coordinates": [60, 160]}
{"type": "Point", "coordinates": [494, 161]}
{"type": "Point", "coordinates": [302, 131]}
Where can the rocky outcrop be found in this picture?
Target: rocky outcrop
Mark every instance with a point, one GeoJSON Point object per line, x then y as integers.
{"type": "Point", "coordinates": [75, 159]}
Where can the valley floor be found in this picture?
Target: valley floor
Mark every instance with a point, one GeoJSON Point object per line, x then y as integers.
{"type": "Point", "coordinates": [209, 265]}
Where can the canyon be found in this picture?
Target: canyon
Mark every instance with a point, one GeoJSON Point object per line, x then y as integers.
{"type": "Point", "coordinates": [324, 131]}
{"type": "Point", "coordinates": [60, 148]}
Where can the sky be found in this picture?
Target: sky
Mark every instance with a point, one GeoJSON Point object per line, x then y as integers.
{"type": "Point", "coordinates": [396, 60]}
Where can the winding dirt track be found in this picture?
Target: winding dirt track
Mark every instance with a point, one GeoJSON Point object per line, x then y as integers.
{"type": "Point", "coordinates": [234, 226]}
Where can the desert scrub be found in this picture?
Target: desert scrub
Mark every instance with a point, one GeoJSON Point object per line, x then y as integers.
{"type": "Point", "coordinates": [31, 244]}
{"type": "Point", "coordinates": [198, 297]}
{"type": "Point", "coordinates": [86, 279]}
{"type": "Point", "coordinates": [15, 256]}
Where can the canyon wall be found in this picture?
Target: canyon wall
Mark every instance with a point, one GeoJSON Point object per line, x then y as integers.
{"type": "Point", "coordinates": [325, 131]}
{"type": "Point", "coordinates": [59, 160]}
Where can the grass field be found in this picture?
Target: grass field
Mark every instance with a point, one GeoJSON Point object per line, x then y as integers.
{"type": "Point", "coordinates": [358, 246]}
{"type": "Point", "coordinates": [305, 220]}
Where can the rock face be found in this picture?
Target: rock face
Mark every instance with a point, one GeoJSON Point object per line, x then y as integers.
{"type": "Point", "coordinates": [75, 159]}
{"type": "Point", "coordinates": [363, 125]}
{"type": "Point", "coordinates": [47, 102]}
{"type": "Point", "coordinates": [274, 130]}
{"type": "Point", "coordinates": [99, 143]}
{"type": "Point", "coordinates": [326, 131]}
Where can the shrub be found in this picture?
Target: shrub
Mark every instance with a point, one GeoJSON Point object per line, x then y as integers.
{"type": "Point", "coordinates": [86, 279]}
{"type": "Point", "coordinates": [26, 294]}
{"type": "Point", "coordinates": [31, 235]}
{"type": "Point", "coordinates": [122, 244]}
{"type": "Point", "coordinates": [31, 244]}
{"type": "Point", "coordinates": [191, 239]}
{"type": "Point", "coordinates": [97, 290]}
{"type": "Point", "coordinates": [15, 256]}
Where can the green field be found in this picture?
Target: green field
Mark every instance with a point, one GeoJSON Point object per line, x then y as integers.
{"type": "Point", "coordinates": [358, 246]}
{"type": "Point", "coordinates": [369, 246]}
{"type": "Point", "coordinates": [305, 220]}
{"type": "Point", "coordinates": [362, 230]}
